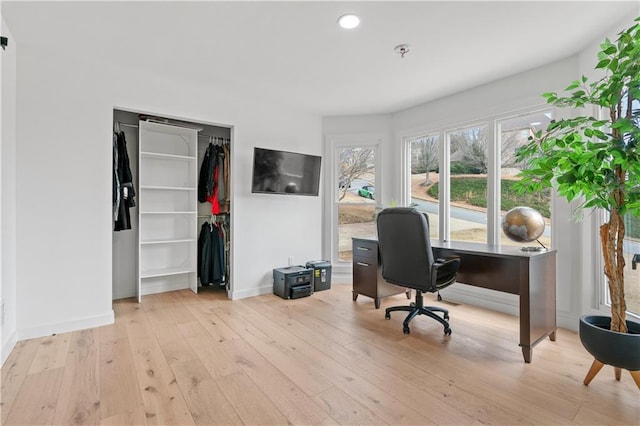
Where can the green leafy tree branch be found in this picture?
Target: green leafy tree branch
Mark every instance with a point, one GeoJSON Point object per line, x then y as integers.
{"type": "Point", "coordinates": [596, 160]}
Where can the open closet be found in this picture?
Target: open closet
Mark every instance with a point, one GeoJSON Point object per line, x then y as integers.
{"type": "Point", "coordinates": [171, 205]}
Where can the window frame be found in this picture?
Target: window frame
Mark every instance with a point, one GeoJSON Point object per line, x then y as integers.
{"type": "Point", "coordinates": [494, 158]}
{"type": "Point", "coordinates": [406, 184]}
{"type": "Point", "coordinates": [602, 300]}
{"type": "Point", "coordinates": [337, 143]}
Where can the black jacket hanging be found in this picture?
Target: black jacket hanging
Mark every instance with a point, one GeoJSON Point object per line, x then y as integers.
{"type": "Point", "coordinates": [206, 182]}
{"type": "Point", "coordinates": [211, 257]}
{"type": "Point", "coordinates": [123, 184]}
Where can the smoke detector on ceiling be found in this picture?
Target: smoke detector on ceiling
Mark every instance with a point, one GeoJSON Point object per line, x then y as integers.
{"type": "Point", "coordinates": [402, 49]}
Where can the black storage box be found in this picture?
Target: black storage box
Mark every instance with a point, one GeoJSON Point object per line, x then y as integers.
{"type": "Point", "coordinates": [321, 274]}
{"type": "Point", "coordinates": [293, 282]}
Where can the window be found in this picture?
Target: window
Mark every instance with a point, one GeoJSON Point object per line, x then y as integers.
{"type": "Point", "coordinates": [514, 133]}
{"type": "Point", "coordinates": [469, 165]}
{"type": "Point", "coordinates": [424, 177]}
{"type": "Point", "coordinates": [631, 248]}
{"type": "Point", "coordinates": [481, 169]}
{"type": "Point", "coordinates": [356, 196]}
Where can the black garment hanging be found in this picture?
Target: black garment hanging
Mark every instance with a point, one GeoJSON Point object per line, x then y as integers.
{"type": "Point", "coordinates": [116, 181]}
{"type": "Point", "coordinates": [123, 184]}
{"type": "Point", "coordinates": [211, 256]}
{"type": "Point", "coordinates": [206, 182]}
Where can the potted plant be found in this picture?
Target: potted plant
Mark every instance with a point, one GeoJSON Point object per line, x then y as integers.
{"type": "Point", "coordinates": [597, 160]}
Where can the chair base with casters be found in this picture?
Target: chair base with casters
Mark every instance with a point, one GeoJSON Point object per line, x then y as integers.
{"type": "Point", "coordinates": [418, 308]}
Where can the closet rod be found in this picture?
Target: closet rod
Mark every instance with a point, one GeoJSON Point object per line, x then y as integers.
{"type": "Point", "coordinates": [211, 136]}
{"type": "Point", "coordinates": [127, 124]}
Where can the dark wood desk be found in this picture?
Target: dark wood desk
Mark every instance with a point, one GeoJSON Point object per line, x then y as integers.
{"type": "Point", "coordinates": [530, 275]}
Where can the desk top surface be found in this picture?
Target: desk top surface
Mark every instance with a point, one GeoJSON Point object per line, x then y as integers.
{"type": "Point", "coordinates": [486, 249]}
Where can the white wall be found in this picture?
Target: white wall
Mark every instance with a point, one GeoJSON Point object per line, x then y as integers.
{"type": "Point", "coordinates": [64, 119]}
{"type": "Point", "coordinates": [8, 193]}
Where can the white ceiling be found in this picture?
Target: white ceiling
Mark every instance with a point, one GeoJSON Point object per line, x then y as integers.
{"type": "Point", "coordinates": [294, 52]}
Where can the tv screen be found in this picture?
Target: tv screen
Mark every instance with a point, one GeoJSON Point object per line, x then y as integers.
{"type": "Point", "coordinates": [283, 172]}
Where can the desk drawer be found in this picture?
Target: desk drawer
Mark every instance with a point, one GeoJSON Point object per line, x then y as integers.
{"type": "Point", "coordinates": [365, 251]}
{"type": "Point", "coordinates": [365, 278]}
{"type": "Point", "coordinates": [366, 273]}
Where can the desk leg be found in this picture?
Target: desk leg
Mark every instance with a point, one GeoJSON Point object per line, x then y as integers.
{"type": "Point", "coordinates": [527, 353]}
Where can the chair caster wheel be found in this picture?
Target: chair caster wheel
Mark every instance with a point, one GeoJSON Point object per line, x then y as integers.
{"type": "Point", "coordinates": [447, 331]}
{"type": "Point", "coordinates": [446, 317]}
{"type": "Point", "coordinates": [412, 304]}
{"type": "Point", "coordinates": [387, 315]}
{"type": "Point", "coordinates": [439, 298]}
{"type": "Point", "coordinates": [406, 330]}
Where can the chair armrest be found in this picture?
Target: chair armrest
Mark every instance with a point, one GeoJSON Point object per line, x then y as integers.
{"type": "Point", "coordinates": [449, 262]}
{"type": "Point", "coordinates": [446, 258]}
{"type": "Point", "coordinates": [444, 270]}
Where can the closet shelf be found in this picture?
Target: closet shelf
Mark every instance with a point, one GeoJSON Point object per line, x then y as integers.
{"type": "Point", "coordinates": [183, 240]}
{"type": "Point", "coordinates": [159, 155]}
{"type": "Point", "coordinates": [168, 208]}
{"type": "Point", "coordinates": [165, 272]}
{"type": "Point", "coordinates": [168, 188]}
{"type": "Point", "coordinates": [171, 212]}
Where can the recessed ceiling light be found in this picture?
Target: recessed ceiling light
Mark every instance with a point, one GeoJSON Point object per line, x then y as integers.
{"type": "Point", "coordinates": [349, 21]}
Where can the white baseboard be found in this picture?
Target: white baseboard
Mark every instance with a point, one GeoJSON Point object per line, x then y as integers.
{"type": "Point", "coordinates": [342, 277]}
{"type": "Point", "coordinates": [482, 297]}
{"type": "Point", "coordinates": [66, 326]}
{"type": "Point", "coordinates": [569, 322]}
{"type": "Point", "coordinates": [123, 294]}
{"type": "Point", "coordinates": [164, 287]}
{"type": "Point", "coordinates": [243, 294]}
{"type": "Point", "coordinates": [7, 346]}
{"type": "Point", "coordinates": [501, 302]}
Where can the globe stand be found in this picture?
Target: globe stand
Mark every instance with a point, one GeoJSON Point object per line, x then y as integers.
{"type": "Point", "coordinates": [535, 248]}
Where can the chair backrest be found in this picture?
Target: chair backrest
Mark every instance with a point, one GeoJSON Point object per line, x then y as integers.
{"type": "Point", "coordinates": [405, 248]}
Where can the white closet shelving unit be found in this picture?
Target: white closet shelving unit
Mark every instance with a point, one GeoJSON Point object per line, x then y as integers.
{"type": "Point", "coordinates": [167, 208]}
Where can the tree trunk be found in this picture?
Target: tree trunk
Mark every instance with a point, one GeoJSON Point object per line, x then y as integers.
{"type": "Point", "coordinates": [427, 181]}
{"type": "Point", "coordinates": [612, 236]}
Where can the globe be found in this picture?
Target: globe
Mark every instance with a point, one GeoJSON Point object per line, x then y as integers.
{"type": "Point", "coordinates": [523, 225]}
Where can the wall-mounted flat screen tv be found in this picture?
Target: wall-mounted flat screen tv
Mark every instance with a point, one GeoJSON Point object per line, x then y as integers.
{"type": "Point", "coordinates": [283, 172]}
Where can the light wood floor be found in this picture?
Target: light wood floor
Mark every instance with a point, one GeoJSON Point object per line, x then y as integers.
{"type": "Point", "coordinates": [180, 358]}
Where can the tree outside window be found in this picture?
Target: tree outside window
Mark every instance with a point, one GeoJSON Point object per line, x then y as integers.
{"type": "Point", "coordinates": [469, 163]}
{"type": "Point", "coordinates": [356, 195]}
{"type": "Point", "coordinates": [425, 173]}
{"type": "Point", "coordinates": [514, 133]}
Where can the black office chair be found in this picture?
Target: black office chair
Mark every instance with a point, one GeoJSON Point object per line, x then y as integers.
{"type": "Point", "coordinates": [407, 261]}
